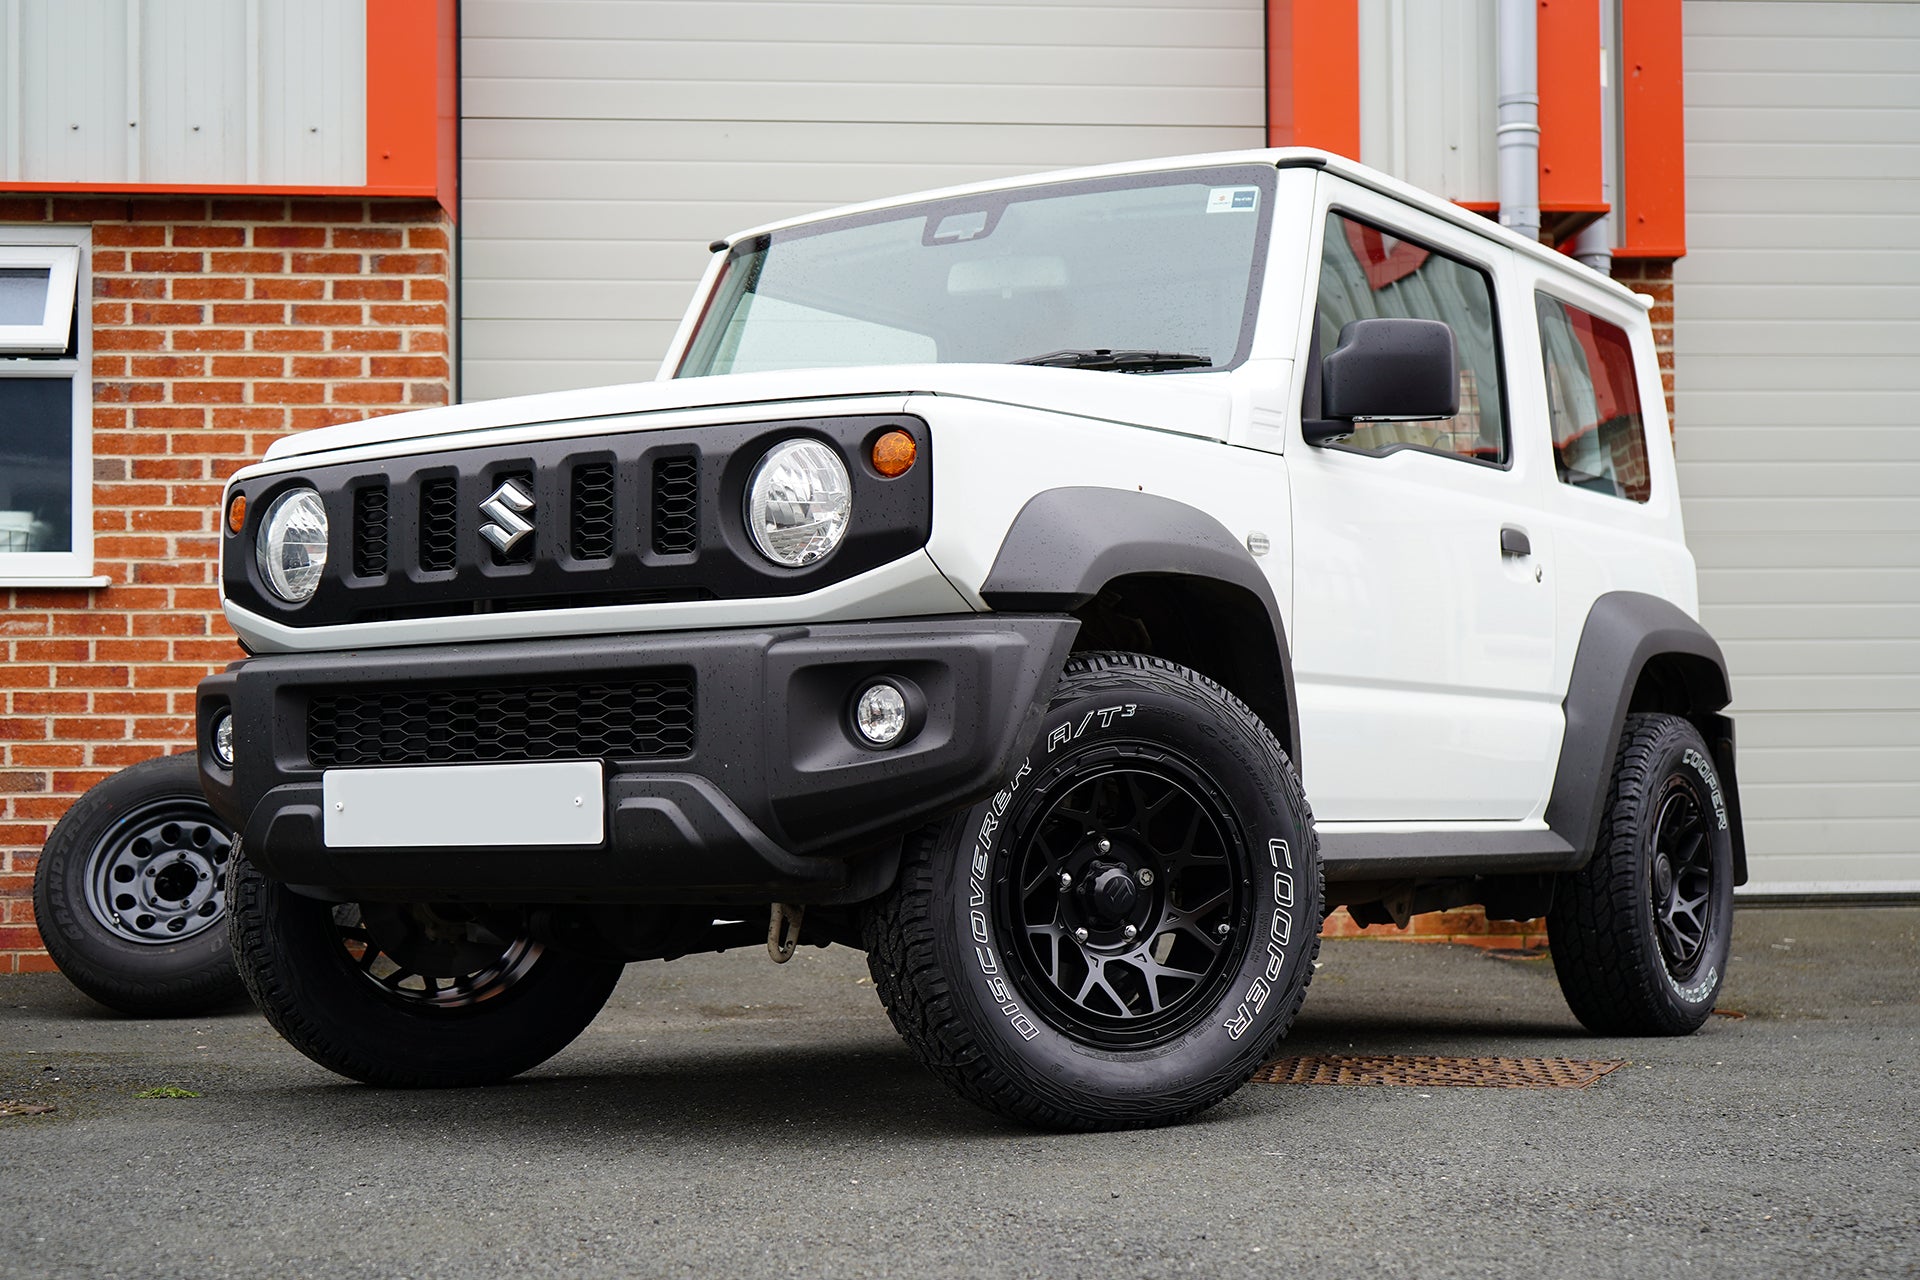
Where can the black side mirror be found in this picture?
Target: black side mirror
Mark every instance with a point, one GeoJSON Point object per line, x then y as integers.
{"type": "Point", "coordinates": [1386, 371]}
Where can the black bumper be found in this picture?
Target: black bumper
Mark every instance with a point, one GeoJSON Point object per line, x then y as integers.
{"type": "Point", "coordinates": [768, 798]}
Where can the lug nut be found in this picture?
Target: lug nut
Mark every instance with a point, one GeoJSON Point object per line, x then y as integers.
{"type": "Point", "coordinates": [1144, 875]}
{"type": "Point", "coordinates": [1066, 881]}
{"type": "Point", "coordinates": [1128, 932]}
{"type": "Point", "coordinates": [1080, 933]}
{"type": "Point", "coordinates": [1105, 846]}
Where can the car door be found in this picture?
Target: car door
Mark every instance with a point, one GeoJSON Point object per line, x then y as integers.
{"type": "Point", "coordinates": [1423, 566]}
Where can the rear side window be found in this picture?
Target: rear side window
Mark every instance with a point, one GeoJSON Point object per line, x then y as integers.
{"type": "Point", "coordinates": [1367, 273]}
{"type": "Point", "coordinates": [1599, 438]}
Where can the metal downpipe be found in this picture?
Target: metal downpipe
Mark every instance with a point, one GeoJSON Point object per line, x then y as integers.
{"type": "Point", "coordinates": [1517, 122]}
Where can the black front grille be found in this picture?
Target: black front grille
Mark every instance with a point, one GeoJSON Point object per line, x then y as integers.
{"type": "Point", "coordinates": [640, 719]}
{"type": "Point", "coordinates": [597, 520]}
{"type": "Point", "coordinates": [370, 526]}
{"type": "Point", "coordinates": [593, 509]}
{"type": "Point", "coordinates": [676, 506]}
{"type": "Point", "coordinates": [439, 524]}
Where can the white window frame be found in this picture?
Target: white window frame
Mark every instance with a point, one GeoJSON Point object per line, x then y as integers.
{"type": "Point", "coordinates": [62, 264]}
{"type": "Point", "coordinates": [30, 351]}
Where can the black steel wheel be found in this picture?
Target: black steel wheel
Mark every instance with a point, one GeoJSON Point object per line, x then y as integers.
{"type": "Point", "coordinates": [1120, 935]}
{"type": "Point", "coordinates": [409, 995]}
{"type": "Point", "coordinates": [1640, 935]}
{"type": "Point", "coordinates": [130, 893]}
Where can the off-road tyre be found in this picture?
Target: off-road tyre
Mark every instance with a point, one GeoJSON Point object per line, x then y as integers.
{"type": "Point", "coordinates": [1142, 743]}
{"type": "Point", "coordinates": [295, 955]}
{"type": "Point", "coordinates": [129, 896]}
{"type": "Point", "coordinates": [1628, 964]}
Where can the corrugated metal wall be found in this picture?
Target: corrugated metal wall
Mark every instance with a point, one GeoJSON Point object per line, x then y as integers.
{"type": "Point", "coordinates": [183, 91]}
{"type": "Point", "coordinates": [604, 144]}
{"type": "Point", "coordinates": [1427, 94]}
{"type": "Point", "coordinates": [1797, 345]}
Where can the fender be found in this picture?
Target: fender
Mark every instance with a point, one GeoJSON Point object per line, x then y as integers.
{"type": "Point", "coordinates": [1625, 632]}
{"type": "Point", "coordinates": [1068, 544]}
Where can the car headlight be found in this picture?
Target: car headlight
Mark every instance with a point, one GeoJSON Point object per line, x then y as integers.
{"type": "Point", "coordinates": [293, 545]}
{"type": "Point", "coordinates": [798, 502]}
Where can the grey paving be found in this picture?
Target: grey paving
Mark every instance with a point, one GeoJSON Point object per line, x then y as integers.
{"type": "Point", "coordinates": [725, 1117]}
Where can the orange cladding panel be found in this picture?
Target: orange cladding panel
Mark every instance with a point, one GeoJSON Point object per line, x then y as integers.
{"type": "Point", "coordinates": [1313, 75]}
{"type": "Point", "coordinates": [1654, 199]}
{"type": "Point", "coordinates": [1571, 165]}
{"type": "Point", "coordinates": [404, 91]}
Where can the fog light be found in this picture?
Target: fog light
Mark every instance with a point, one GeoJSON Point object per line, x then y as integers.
{"type": "Point", "coordinates": [881, 715]}
{"type": "Point", "coordinates": [223, 740]}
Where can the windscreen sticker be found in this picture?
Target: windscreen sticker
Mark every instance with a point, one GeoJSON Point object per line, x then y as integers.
{"type": "Point", "coordinates": [1233, 199]}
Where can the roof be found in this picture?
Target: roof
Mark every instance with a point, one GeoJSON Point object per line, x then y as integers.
{"type": "Point", "coordinates": [1280, 157]}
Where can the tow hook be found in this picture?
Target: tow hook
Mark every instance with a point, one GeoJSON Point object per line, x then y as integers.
{"type": "Point", "coordinates": [783, 931]}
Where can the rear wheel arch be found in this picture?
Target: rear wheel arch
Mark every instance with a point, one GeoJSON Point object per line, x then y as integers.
{"type": "Point", "coordinates": [1638, 654]}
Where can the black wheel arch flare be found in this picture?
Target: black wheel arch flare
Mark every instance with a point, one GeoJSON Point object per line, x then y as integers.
{"type": "Point", "coordinates": [1070, 547]}
{"type": "Point", "coordinates": [1638, 652]}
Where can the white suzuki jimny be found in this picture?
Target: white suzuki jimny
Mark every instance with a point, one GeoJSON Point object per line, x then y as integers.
{"type": "Point", "coordinates": [987, 582]}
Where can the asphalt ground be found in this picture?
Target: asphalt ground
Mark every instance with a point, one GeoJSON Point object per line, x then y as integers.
{"type": "Point", "coordinates": [724, 1117]}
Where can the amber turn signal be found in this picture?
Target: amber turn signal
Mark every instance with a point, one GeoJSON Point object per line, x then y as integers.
{"type": "Point", "coordinates": [893, 454]}
{"type": "Point", "coordinates": [237, 512]}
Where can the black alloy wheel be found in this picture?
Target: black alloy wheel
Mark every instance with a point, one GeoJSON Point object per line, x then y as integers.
{"type": "Point", "coordinates": [130, 893]}
{"type": "Point", "coordinates": [1683, 874]}
{"type": "Point", "coordinates": [1121, 934]}
{"type": "Point", "coordinates": [1129, 889]}
{"type": "Point", "coordinates": [1641, 934]}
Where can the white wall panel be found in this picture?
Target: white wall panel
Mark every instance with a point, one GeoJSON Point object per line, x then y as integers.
{"type": "Point", "coordinates": [1797, 319]}
{"type": "Point", "coordinates": [605, 142]}
{"type": "Point", "coordinates": [183, 92]}
{"type": "Point", "coordinates": [1427, 94]}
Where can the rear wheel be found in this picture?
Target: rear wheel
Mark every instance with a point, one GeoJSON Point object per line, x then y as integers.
{"type": "Point", "coordinates": [1119, 937]}
{"type": "Point", "coordinates": [1640, 935]}
{"type": "Point", "coordinates": [411, 995]}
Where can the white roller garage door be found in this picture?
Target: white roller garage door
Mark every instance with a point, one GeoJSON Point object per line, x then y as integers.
{"type": "Point", "coordinates": [605, 142]}
{"type": "Point", "coordinates": [1797, 344]}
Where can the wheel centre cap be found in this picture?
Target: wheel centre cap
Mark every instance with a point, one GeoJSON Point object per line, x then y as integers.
{"type": "Point", "coordinates": [1662, 876]}
{"type": "Point", "coordinates": [1111, 894]}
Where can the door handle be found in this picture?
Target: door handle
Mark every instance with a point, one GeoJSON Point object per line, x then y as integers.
{"type": "Point", "coordinates": [1514, 541]}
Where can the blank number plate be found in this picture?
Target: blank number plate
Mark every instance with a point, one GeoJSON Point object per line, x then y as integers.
{"type": "Point", "coordinates": [441, 806]}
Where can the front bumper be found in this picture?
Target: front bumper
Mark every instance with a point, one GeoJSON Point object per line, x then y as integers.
{"type": "Point", "coordinates": [771, 799]}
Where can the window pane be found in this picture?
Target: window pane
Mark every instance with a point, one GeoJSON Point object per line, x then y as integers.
{"type": "Point", "coordinates": [36, 464]}
{"type": "Point", "coordinates": [1154, 262]}
{"type": "Point", "coordinates": [23, 294]}
{"type": "Point", "coordinates": [1367, 274]}
{"type": "Point", "coordinates": [1599, 439]}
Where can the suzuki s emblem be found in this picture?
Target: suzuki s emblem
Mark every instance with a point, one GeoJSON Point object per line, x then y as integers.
{"type": "Point", "coordinates": [506, 507]}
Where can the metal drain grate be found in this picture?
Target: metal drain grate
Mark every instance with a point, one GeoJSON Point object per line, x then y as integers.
{"type": "Point", "coordinates": [1424, 1071]}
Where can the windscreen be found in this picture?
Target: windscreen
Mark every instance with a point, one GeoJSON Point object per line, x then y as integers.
{"type": "Point", "coordinates": [1162, 269]}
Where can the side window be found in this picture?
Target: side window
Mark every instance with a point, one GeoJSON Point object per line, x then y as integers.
{"type": "Point", "coordinates": [45, 398]}
{"type": "Point", "coordinates": [1367, 273]}
{"type": "Point", "coordinates": [1599, 439]}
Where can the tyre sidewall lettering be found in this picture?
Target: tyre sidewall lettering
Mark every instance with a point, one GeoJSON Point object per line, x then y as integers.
{"type": "Point", "coordinates": [1262, 970]}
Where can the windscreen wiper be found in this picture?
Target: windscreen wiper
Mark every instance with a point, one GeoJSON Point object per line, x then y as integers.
{"type": "Point", "coordinates": [1120, 361]}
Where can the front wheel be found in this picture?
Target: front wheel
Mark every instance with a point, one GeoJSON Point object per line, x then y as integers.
{"type": "Point", "coordinates": [1122, 933]}
{"type": "Point", "coordinates": [1640, 935]}
{"type": "Point", "coordinates": [408, 995]}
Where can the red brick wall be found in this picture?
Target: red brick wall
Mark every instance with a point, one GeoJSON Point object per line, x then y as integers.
{"type": "Point", "coordinates": [219, 325]}
{"type": "Point", "coordinates": [1654, 277]}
